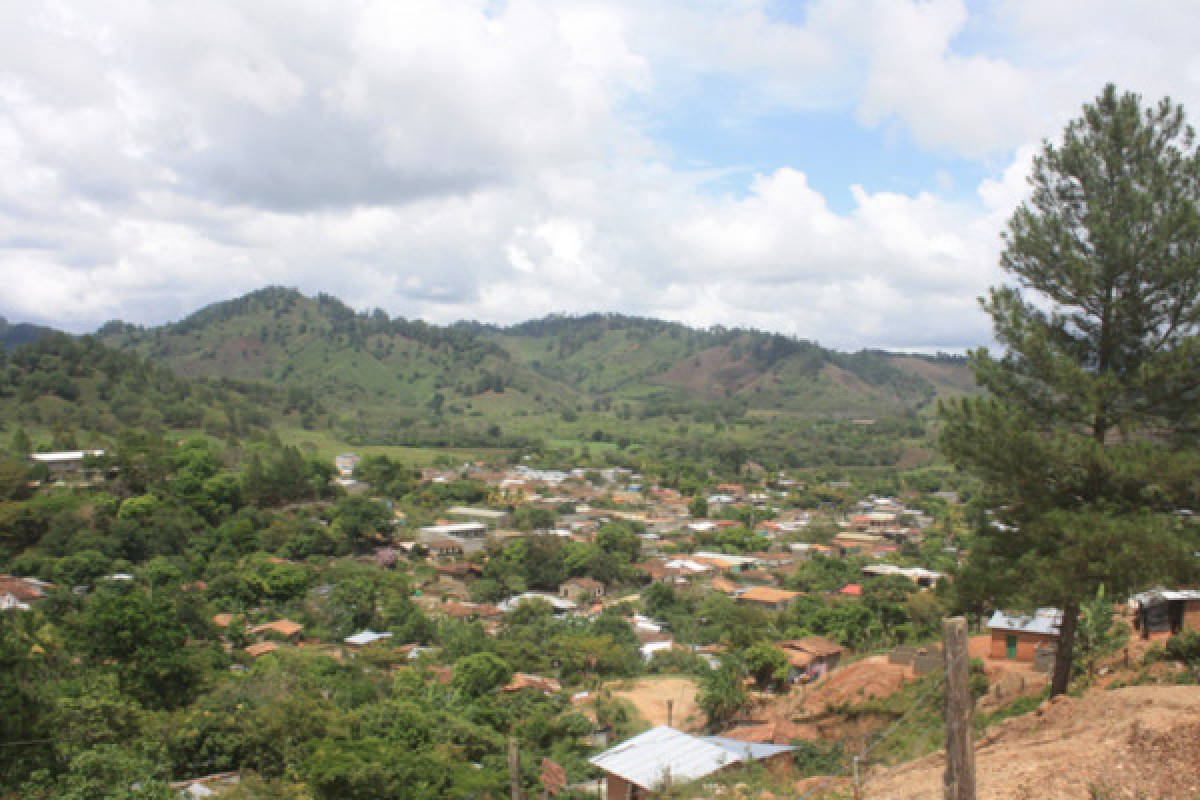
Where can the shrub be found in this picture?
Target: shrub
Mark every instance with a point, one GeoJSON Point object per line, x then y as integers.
{"type": "Point", "coordinates": [1185, 647]}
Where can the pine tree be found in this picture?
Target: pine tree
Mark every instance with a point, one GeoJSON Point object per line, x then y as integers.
{"type": "Point", "coordinates": [1084, 436]}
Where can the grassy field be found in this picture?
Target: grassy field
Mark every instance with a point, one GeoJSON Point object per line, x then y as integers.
{"type": "Point", "coordinates": [326, 445]}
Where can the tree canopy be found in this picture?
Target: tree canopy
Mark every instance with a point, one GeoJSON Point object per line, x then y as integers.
{"type": "Point", "coordinates": [1093, 403]}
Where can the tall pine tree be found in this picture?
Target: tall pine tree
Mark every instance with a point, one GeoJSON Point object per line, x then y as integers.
{"type": "Point", "coordinates": [1085, 437]}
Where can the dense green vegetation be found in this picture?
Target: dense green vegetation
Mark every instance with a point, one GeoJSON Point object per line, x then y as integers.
{"type": "Point", "coordinates": [78, 388]}
{"type": "Point", "coordinates": [119, 678]}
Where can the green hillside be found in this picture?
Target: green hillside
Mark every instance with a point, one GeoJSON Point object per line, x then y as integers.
{"type": "Point", "coordinates": [372, 377]}
{"type": "Point", "coordinates": [79, 391]}
{"type": "Point", "coordinates": [605, 382]}
{"type": "Point", "coordinates": [629, 358]}
{"type": "Point", "coordinates": [13, 336]}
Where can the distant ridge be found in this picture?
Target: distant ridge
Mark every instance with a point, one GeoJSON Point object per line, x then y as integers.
{"type": "Point", "coordinates": [12, 336]}
{"type": "Point", "coordinates": [604, 376]}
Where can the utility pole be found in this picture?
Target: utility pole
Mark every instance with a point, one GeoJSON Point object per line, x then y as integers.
{"type": "Point", "coordinates": [959, 781]}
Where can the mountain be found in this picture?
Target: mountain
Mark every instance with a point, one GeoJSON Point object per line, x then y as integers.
{"type": "Point", "coordinates": [377, 378]}
{"type": "Point", "coordinates": [12, 336]}
{"type": "Point", "coordinates": [603, 378]}
{"type": "Point", "coordinates": [648, 360]}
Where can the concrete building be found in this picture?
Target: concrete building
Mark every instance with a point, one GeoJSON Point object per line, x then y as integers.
{"type": "Point", "coordinates": [1018, 636]}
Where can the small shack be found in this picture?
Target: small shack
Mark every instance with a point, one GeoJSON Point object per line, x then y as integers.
{"type": "Point", "coordinates": [768, 597]}
{"type": "Point", "coordinates": [1160, 612]}
{"type": "Point", "coordinates": [581, 589]}
{"type": "Point", "coordinates": [811, 657]}
{"type": "Point", "coordinates": [1017, 637]}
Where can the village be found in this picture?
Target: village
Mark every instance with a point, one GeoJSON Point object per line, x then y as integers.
{"type": "Point", "coordinates": [645, 597]}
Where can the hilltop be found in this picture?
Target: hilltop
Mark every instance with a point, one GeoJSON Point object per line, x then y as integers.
{"type": "Point", "coordinates": [13, 336]}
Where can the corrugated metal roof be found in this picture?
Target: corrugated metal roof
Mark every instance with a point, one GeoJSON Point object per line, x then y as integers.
{"type": "Point", "coordinates": [1160, 595]}
{"type": "Point", "coordinates": [1044, 620]}
{"type": "Point", "coordinates": [645, 759]}
{"type": "Point", "coordinates": [366, 637]}
{"type": "Point", "coordinates": [753, 751]}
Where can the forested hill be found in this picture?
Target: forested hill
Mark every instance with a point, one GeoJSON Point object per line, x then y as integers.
{"type": "Point", "coordinates": [603, 377]}
{"type": "Point", "coordinates": [79, 389]}
{"type": "Point", "coordinates": [12, 336]}
{"type": "Point", "coordinates": [321, 345]}
{"type": "Point", "coordinates": [614, 355]}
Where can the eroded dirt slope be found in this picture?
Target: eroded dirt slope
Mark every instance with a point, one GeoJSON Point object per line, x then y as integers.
{"type": "Point", "coordinates": [1141, 741]}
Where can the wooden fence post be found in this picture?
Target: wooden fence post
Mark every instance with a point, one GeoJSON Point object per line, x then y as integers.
{"type": "Point", "coordinates": [514, 768]}
{"type": "Point", "coordinates": [959, 781]}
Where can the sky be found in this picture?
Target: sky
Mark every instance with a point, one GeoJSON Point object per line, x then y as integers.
{"type": "Point", "coordinates": [836, 170]}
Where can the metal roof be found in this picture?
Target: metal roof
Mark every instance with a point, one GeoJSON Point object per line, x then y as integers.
{"type": "Point", "coordinates": [64, 455]}
{"type": "Point", "coordinates": [559, 604]}
{"type": "Point", "coordinates": [645, 759]}
{"type": "Point", "coordinates": [1161, 595]}
{"type": "Point", "coordinates": [752, 751]}
{"type": "Point", "coordinates": [1044, 620]}
{"type": "Point", "coordinates": [366, 637]}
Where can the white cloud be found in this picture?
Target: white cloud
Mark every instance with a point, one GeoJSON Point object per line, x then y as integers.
{"type": "Point", "coordinates": [501, 160]}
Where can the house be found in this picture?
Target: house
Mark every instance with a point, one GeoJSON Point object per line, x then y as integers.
{"type": "Point", "coordinates": [9, 602]}
{"type": "Point", "coordinates": [769, 597]}
{"type": "Point", "coordinates": [1018, 636]}
{"type": "Point", "coordinates": [660, 643]}
{"type": "Point", "coordinates": [262, 648]}
{"type": "Point", "coordinates": [925, 578]}
{"type": "Point", "coordinates": [345, 464]}
{"type": "Point", "coordinates": [467, 535]}
{"type": "Point", "coordinates": [557, 604]}
{"type": "Point", "coordinates": [810, 657]}
{"type": "Point", "coordinates": [577, 588]}
{"type": "Point", "coordinates": [485, 514]}
{"type": "Point", "coordinates": [525, 680]}
{"type": "Point", "coordinates": [725, 586]}
{"type": "Point", "coordinates": [640, 767]}
{"type": "Point", "coordinates": [845, 544]}
{"type": "Point", "coordinates": [724, 562]}
{"type": "Point", "coordinates": [364, 638]}
{"type": "Point", "coordinates": [1164, 612]}
{"type": "Point", "coordinates": [446, 548]}
{"type": "Point", "coordinates": [284, 628]}
{"type": "Point", "coordinates": [192, 788]}
{"type": "Point", "coordinates": [16, 594]}
{"type": "Point", "coordinates": [224, 619]}
{"type": "Point", "coordinates": [65, 463]}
